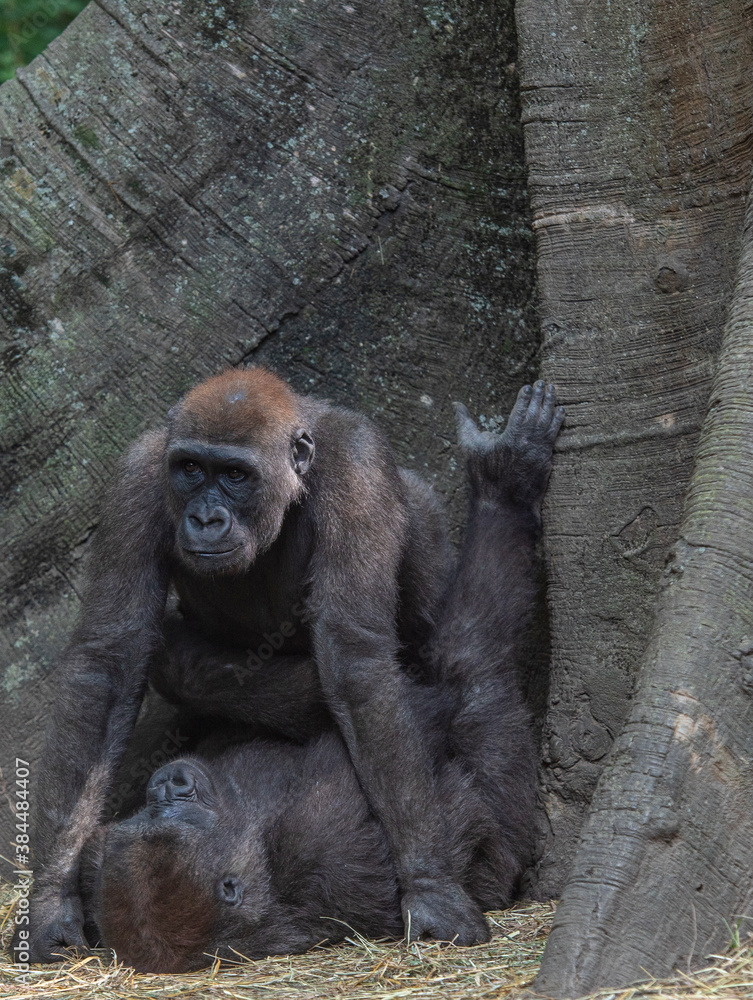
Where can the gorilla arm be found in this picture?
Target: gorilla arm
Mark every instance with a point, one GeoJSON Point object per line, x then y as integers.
{"type": "Point", "coordinates": [361, 523]}
{"type": "Point", "coordinates": [100, 685]}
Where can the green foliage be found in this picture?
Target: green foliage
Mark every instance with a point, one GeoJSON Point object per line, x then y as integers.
{"type": "Point", "coordinates": [28, 26]}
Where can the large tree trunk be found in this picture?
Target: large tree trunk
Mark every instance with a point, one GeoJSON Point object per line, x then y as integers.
{"type": "Point", "coordinates": [666, 861]}
{"type": "Point", "coordinates": [639, 131]}
{"type": "Point", "coordinates": [336, 190]}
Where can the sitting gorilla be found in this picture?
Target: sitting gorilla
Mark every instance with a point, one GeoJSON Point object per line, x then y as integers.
{"type": "Point", "coordinates": [269, 846]}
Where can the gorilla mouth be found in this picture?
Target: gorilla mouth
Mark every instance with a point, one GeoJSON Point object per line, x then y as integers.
{"type": "Point", "coordinates": [211, 554]}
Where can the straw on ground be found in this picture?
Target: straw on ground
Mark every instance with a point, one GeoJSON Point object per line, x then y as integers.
{"type": "Point", "coordinates": [360, 969]}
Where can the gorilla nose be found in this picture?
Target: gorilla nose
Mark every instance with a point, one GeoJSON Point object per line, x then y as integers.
{"type": "Point", "coordinates": [172, 783]}
{"type": "Point", "coordinates": [215, 518]}
{"type": "Point", "coordinates": [210, 523]}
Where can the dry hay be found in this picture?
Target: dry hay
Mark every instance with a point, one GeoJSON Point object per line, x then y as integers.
{"type": "Point", "coordinates": [360, 969]}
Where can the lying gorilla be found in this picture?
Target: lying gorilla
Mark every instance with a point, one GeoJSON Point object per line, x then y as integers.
{"type": "Point", "coordinates": [269, 847]}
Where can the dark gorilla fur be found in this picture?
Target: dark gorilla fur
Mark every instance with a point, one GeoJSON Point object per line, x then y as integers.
{"type": "Point", "coordinates": [309, 571]}
{"type": "Point", "coordinates": [270, 847]}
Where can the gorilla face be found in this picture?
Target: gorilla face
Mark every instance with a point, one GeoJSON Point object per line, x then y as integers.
{"type": "Point", "coordinates": [268, 849]}
{"type": "Point", "coordinates": [228, 503]}
{"type": "Point", "coordinates": [182, 874]}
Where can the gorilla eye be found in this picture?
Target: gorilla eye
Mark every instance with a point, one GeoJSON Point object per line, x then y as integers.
{"type": "Point", "coordinates": [190, 467]}
{"type": "Point", "coordinates": [236, 475]}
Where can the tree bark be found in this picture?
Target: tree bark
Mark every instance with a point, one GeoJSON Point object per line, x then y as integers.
{"type": "Point", "coordinates": [638, 132]}
{"type": "Point", "coordinates": [335, 190]}
{"type": "Point", "coordinates": [665, 866]}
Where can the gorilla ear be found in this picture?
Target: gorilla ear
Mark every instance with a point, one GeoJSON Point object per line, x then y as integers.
{"type": "Point", "coordinates": [231, 890]}
{"type": "Point", "coordinates": [302, 452]}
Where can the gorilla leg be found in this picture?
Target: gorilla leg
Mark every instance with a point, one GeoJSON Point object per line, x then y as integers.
{"type": "Point", "coordinates": [489, 785]}
{"type": "Point", "coordinates": [490, 599]}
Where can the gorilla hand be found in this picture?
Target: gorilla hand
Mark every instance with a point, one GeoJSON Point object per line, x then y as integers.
{"type": "Point", "coordinates": [445, 913]}
{"type": "Point", "coordinates": [56, 923]}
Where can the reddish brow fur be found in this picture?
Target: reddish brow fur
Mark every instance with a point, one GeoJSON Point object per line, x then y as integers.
{"type": "Point", "coordinates": [240, 406]}
{"type": "Point", "coordinates": [149, 928]}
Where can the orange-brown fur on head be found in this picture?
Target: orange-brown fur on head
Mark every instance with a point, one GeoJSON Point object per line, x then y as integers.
{"type": "Point", "coordinates": [239, 406]}
{"type": "Point", "coordinates": [149, 926]}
